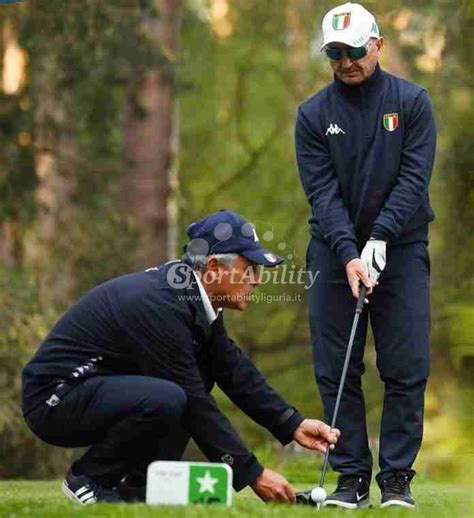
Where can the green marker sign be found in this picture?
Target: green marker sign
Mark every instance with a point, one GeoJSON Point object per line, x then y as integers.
{"type": "Point", "coordinates": [183, 483]}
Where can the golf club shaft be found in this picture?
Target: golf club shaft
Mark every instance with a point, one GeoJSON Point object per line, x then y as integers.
{"type": "Point", "coordinates": [359, 308]}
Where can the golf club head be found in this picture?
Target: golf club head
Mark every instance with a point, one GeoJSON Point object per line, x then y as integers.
{"type": "Point", "coordinates": [304, 498]}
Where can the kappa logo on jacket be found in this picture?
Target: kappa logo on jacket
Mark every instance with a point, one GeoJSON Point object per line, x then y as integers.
{"type": "Point", "coordinates": [334, 129]}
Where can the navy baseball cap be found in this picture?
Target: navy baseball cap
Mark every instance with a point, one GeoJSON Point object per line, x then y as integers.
{"type": "Point", "coordinates": [226, 232]}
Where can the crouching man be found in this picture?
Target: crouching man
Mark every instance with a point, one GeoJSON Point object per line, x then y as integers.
{"type": "Point", "coordinates": [128, 371]}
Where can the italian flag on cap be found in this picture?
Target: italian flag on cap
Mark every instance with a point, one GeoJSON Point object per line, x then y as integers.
{"type": "Point", "coordinates": [341, 21]}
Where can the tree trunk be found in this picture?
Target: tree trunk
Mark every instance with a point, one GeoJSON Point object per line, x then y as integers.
{"type": "Point", "coordinates": [149, 134]}
{"type": "Point", "coordinates": [13, 77]}
{"type": "Point", "coordinates": [299, 55]}
{"type": "Point", "coordinates": [11, 244]}
{"type": "Point", "coordinates": [55, 157]}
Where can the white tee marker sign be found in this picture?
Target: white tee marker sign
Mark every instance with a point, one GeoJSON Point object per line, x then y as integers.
{"type": "Point", "coordinates": [184, 483]}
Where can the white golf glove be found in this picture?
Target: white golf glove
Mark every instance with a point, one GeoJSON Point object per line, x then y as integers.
{"type": "Point", "coordinates": [374, 258]}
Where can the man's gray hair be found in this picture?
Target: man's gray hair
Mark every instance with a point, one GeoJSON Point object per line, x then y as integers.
{"type": "Point", "coordinates": [199, 261]}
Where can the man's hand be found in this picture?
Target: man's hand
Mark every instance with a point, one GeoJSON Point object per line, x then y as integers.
{"type": "Point", "coordinates": [374, 258]}
{"type": "Point", "coordinates": [316, 435]}
{"type": "Point", "coordinates": [356, 272]}
{"type": "Point", "coordinates": [272, 487]}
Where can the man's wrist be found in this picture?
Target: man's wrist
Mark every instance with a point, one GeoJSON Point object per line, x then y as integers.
{"type": "Point", "coordinates": [347, 262]}
{"type": "Point", "coordinates": [373, 238]}
{"type": "Point", "coordinates": [285, 430]}
{"type": "Point", "coordinates": [255, 480]}
{"type": "Point", "coordinates": [348, 253]}
{"type": "Point", "coordinates": [378, 234]}
{"type": "Point", "coordinates": [292, 425]}
{"type": "Point", "coordinates": [255, 472]}
{"type": "Point", "coordinates": [245, 472]}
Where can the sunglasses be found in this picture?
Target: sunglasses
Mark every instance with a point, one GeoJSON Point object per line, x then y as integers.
{"type": "Point", "coordinates": [352, 53]}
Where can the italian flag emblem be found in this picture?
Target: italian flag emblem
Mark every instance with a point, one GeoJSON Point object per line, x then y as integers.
{"type": "Point", "coordinates": [341, 21]}
{"type": "Point", "coordinates": [390, 121]}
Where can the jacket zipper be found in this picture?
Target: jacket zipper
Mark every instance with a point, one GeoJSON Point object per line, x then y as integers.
{"type": "Point", "coordinates": [365, 118]}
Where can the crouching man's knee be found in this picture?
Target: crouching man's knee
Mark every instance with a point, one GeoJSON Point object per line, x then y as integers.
{"type": "Point", "coordinates": [168, 402]}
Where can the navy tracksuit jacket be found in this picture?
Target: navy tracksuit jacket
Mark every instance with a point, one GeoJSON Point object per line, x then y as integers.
{"type": "Point", "coordinates": [365, 155]}
{"type": "Point", "coordinates": [132, 364]}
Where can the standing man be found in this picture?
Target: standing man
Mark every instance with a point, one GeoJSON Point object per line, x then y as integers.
{"type": "Point", "coordinates": [128, 371]}
{"type": "Point", "coordinates": [365, 148]}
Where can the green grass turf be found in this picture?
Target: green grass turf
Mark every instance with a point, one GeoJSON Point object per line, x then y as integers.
{"type": "Point", "coordinates": [45, 499]}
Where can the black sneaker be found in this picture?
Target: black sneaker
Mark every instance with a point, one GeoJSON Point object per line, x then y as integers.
{"type": "Point", "coordinates": [131, 492]}
{"type": "Point", "coordinates": [352, 492]}
{"type": "Point", "coordinates": [396, 490]}
{"type": "Point", "coordinates": [83, 490]}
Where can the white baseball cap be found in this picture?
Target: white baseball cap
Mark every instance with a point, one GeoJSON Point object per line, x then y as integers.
{"type": "Point", "coordinates": [351, 24]}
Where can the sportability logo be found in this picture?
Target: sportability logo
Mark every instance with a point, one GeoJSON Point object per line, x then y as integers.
{"type": "Point", "coordinates": [390, 121]}
{"type": "Point", "coordinates": [341, 21]}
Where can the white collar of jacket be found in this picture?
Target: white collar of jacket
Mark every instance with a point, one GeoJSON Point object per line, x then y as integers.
{"type": "Point", "coordinates": [211, 313]}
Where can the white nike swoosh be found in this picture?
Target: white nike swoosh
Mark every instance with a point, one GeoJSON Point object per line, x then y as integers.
{"type": "Point", "coordinates": [360, 497]}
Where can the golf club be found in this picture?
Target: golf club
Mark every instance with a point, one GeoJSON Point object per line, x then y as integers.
{"type": "Point", "coordinates": [318, 494]}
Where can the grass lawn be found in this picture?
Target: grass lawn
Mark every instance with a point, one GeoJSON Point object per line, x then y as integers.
{"type": "Point", "coordinates": [45, 499]}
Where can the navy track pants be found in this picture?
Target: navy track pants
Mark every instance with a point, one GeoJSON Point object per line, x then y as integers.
{"type": "Point", "coordinates": [128, 421]}
{"type": "Point", "coordinates": [399, 313]}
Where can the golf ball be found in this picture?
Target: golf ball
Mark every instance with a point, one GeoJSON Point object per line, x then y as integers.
{"type": "Point", "coordinates": [318, 495]}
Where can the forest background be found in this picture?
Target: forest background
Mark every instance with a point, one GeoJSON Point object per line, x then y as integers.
{"type": "Point", "coordinates": [122, 121]}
